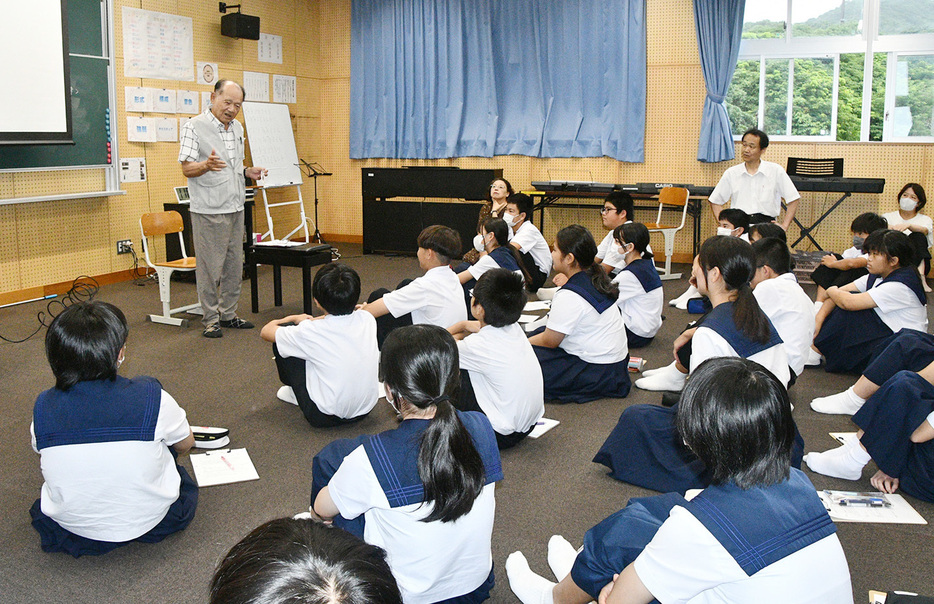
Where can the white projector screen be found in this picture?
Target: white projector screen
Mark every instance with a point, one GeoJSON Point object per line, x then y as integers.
{"type": "Point", "coordinates": [36, 105]}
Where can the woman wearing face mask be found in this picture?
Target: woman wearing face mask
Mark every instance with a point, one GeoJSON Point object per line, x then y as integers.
{"type": "Point", "coordinates": [919, 228]}
{"type": "Point", "coordinates": [499, 190]}
{"type": "Point", "coordinates": [641, 297]}
{"type": "Point", "coordinates": [494, 234]}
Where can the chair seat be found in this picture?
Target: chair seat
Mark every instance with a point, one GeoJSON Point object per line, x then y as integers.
{"type": "Point", "coordinates": [181, 264]}
{"type": "Point", "coordinates": [654, 226]}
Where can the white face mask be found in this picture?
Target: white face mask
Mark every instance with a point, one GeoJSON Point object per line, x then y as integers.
{"type": "Point", "coordinates": [509, 218]}
{"type": "Point", "coordinates": [724, 231]}
{"type": "Point", "coordinates": [478, 243]}
{"type": "Point", "coordinates": [907, 204]}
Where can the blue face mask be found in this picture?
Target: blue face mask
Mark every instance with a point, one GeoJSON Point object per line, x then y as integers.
{"type": "Point", "coordinates": [858, 242]}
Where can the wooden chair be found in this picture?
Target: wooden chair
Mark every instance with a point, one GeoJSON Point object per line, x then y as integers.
{"type": "Point", "coordinates": [674, 198]}
{"type": "Point", "coordinates": [158, 224]}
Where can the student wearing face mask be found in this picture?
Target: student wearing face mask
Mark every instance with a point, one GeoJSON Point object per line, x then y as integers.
{"type": "Point", "coordinates": [640, 288]}
{"type": "Point", "coordinates": [497, 253]}
{"type": "Point", "coordinates": [840, 269]}
{"type": "Point", "coordinates": [919, 228]}
{"type": "Point", "coordinates": [527, 239]}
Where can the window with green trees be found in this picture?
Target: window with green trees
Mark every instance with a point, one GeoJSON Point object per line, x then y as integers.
{"type": "Point", "coordinates": [845, 70]}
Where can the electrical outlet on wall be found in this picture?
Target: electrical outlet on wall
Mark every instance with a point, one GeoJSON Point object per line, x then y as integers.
{"type": "Point", "coordinates": [124, 246]}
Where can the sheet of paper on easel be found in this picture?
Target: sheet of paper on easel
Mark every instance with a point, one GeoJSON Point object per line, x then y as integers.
{"type": "Point", "coordinates": [272, 143]}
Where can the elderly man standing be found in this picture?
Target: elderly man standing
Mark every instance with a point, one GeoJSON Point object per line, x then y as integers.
{"type": "Point", "coordinates": [212, 158]}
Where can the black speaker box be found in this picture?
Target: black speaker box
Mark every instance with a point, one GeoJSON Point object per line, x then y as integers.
{"type": "Point", "coordinates": [238, 25]}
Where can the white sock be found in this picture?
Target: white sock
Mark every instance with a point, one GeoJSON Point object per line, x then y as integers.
{"type": "Point", "coordinates": [649, 372]}
{"type": "Point", "coordinates": [528, 587]}
{"type": "Point", "coordinates": [669, 380]}
{"type": "Point", "coordinates": [845, 462]}
{"type": "Point", "coordinates": [842, 403]}
{"type": "Point", "coordinates": [561, 556]}
{"type": "Point", "coordinates": [287, 395]}
{"type": "Point", "coordinates": [690, 292]}
{"type": "Point", "coordinates": [813, 359]}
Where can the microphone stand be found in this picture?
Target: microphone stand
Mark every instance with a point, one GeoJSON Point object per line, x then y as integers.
{"type": "Point", "coordinates": [314, 170]}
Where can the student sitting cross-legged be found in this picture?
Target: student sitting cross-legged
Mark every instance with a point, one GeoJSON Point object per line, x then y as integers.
{"type": "Point", "coordinates": [108, 443]}
{"type": "Point", "coordinates": [494, 234]}
{"type": "Point", "coordinates": [328, 363]}
{"type": "Point", "coordinates": [757, 533]}
{"type": "Point", "coordinates": [641, 297]}
{"type": "Point", "coordinates": [500, 375]}
{"type": "Point", "coordinates": [582, 348]}
{"type": "Point", "coordinates": [435, 298]}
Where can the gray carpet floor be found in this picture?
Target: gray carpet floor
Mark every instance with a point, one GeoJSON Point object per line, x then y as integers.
{"type": "Point", "coordinates": [551, 486]}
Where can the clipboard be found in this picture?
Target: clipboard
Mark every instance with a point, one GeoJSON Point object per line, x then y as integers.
{"type": "Point", "coordinates": [223, 466]}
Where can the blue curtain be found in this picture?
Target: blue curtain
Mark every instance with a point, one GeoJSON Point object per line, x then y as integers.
{"type": "Point", "coordinates": [719, 31]}
{"type": "Point", "coordinates": [452, 78]}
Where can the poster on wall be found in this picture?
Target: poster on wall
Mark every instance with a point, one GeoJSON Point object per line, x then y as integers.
{"type": "Point", "coordinates": [186, 101]}
{"type": "Point", "coordinates": [163, 100]}
{"type": "Point", "coordinates": [157, 45]}
{"type": "Point", "coordinates": [269, 49]}
{"type": "Point", "coordinates": [283, 89]}
{"type": "Point", "coordinates": [207, 73]}
{"type": "Point", "coordinates": [257, 86]}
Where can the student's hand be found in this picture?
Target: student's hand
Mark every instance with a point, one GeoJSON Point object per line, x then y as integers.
{"type": "Point", "coordinates": [828, 260]}
{"type": "Point", "coordinates": [884, 482]}
{"type": "Point", "coordinates": [560, 279]}
{"type": "Point", "coordinates": [900, 227]}
{"type": "Point", "coordinates": [607, 589]}
{"type": "Point", "coordinates": [361, 306]}
{"type": "Point", "coordinates": [692, 281]}
{"type": "Point", "coordinates": [683, 339]}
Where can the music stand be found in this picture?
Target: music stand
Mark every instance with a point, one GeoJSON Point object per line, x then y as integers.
{"type": "Point", "coordinates": [314, 170]}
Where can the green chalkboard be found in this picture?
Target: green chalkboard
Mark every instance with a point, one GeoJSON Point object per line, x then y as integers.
{"type": "Point", "coordinates": [90, 100]}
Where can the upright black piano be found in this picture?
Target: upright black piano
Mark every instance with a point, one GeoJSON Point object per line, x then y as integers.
{"type": "Point", "coordinates": [393, 225]}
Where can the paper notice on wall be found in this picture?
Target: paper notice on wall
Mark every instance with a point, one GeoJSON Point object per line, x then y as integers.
{"type": "Point", "coordinates": [132, 169]}
{"type": "Point", "coordinates": [207, 73]}
{"type": "Point", "coordinates": [138, 99]}
{"type": "Point", "coordinates": [166, 129]}
{"type": "Point", "coordinates": [269, 49]}
{"type": "Point", "coordinates": [163, 100]}
{"type": "Point", "coordinates": [157, 45]}
{"type": "Point", "coordinates": [186, 101]}
{"type": "Point", "coordinates": [141, 129]}
{"type": "Point", "coordinates": [257, 86]}
{"type": "Point", "coordinates": [283, 89]}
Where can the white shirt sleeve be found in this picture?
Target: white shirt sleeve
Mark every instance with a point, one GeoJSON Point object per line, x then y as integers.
{"type": "Point", "coordinates": [723, 191]}
{"type": "Point", "coordinates": [405, 300]}
{"type": "Point", "coordinates": [172, 424]}
{"type": "Point", "coordinates": [484, 264]}
{"type": "Point", "coordinates": [354, 488]}
{"type": "Point", "coordinates": [604, 246]}
{"type": "Point", "coordinates": [291, 339]}
{"type": "Point", "coordinates": [565, 314]}
{"type": "Point", "coordinates": [786, 188]}
{"type": "Point", "coordinates": [862, 283]}
{"type": "Point", "coordinates": [892, 297]}
{"type": "Point", "coordinates": [629, 286]}
{"type": "Point", "coordinates": [470, 353]}
{"type": "Point", "coordinates": [707, 344]}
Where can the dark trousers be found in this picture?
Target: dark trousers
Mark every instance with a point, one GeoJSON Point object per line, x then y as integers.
{"type": "Point", "coordinates": [292, 374]}
{"type": "Point", "coordinates": [468, 402]}
{"type": "Point", "coordinates": [758, 217]}
{"type": "Point", "coordinates": [387, 323]}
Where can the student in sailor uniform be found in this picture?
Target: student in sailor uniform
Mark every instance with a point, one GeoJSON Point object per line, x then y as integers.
{"type": "Point", "coordinates": [857, 317]}
{"type": "Point", "coordinates": [424, 491]}
{"type": "Point", "coordinates": [896, 428]}
{"type": "Point", "coordinates": [497, 254]}
{"type": "Point", "coordinates": [641, 297]}
{"type": "Point", "coordinates": [840, 269]}
{"type": "Point", "coordinates": [500, 375]}
{"type": "Point", "coordinates": [582, 347]}
{"type": "Point", "coordinates": [108, 443]}
{"type": "Point", "coordinates": [644, 448]}
{"type": "Point", "coordinates": [290, 560]}
{"type": "Point", "coordinates": [527, 239]}
{"type": "Point", "coordinates": [783, 301]}
{"type": "Point", "coordinates": [436, 297]}
{"type": "Point", "coordinates": [328, 363]}
{"type": "Point", "coordinates": [758, 533]}
{"type": "Point", "coordinates": [732, 223]}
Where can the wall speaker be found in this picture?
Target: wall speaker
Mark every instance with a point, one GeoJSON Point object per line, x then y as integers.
{"type": "Point", "coordinates": [238, 25]}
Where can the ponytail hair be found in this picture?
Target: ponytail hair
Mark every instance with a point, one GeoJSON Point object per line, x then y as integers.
{"type": "Point", "coordinates": [635, 233]}
{"type": "Point", "coordinates": [500, 231]}
{"type": "Point", "coordinates": [577, 240]}
{"type": "Point", "coordinates": [419, 365]}
{"type": "Point", "coordinates": [737, 263]}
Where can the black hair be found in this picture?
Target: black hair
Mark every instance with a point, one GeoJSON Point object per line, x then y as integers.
{"type": "Point", "coordinates": [500, 231]}
{"type": "Point", "coordinates": [419, 365]}
{"type": "Point", "coordinates": [868, 222]}
{"type": "Point", "coordinates": [500, 292]}
{"type": "Point", "coordinates": [763, 137]}
{"type": "Point", "coordinates": [444, 241]}
{"type": "Point", "coordinates": [219, 86]}
{"type": "Point", "coordinates": [892, 244]}
{"type": "Point", "coordinates": [509, 189]}
{"type": "Point", "coordinates": [772, 253]}
{"type": "Point", "coordinates": [635, 233]}
{"type": "Point", "coordinates": [301, 561]}
{"type": "Point", "coordinates": [523, 203]}
{"type": "Point", "coordinates": [84, 341]}
{"type": "Point", "coordinates": [736, 217]}
{"type": "Point", "coordinates": [336, 288]}
{"type": "Point", "coordinates": [622, 201]}
{"type": "Point", "coordinates": [575, 239]}
{"type": "Point", "coordinates": [736, 417]}
{"type": "Point", "coordinates": [737, 263]}
{"type": "Point", "coordinates": [767, 229]}
{"type": "Point", "coordinates": [919, 191]}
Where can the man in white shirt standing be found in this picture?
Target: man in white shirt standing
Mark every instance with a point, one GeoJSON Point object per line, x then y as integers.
{"type": "Point", "coordinates": [756, 186]}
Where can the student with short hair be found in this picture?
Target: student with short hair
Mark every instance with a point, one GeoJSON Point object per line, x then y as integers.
{"type": "Point", "coordinates": [641, 297]}
{"type": "Point", "coordinates": [108, 443]}
{"type": "Point", "coordinates": [757, 533]}
{"type": "Point", "coordinates": [328, 364]}
{"type": "Point", "coordinates": [858, 317]}
{"type": "Point", "coordinates": [435, 298]}
{"type": "Point", "coordinates": [500, 375]}
{"type": "Point", "coordinates": [761, 230]}
{"type": "Point", "coordinates": [783, 301]}
{"type": "Point", "coordinates": [838, 270]}
{"type": "Point", "coordinates": [582, 348]}
{"type": "Point", "coordinates": [536, 254]}
{"type": "Point", "coordinates": [291, 560]}
{"type": "Point", "coordinates": [424, 491]}
{"type": "Point", "coordinates": [617, 210]}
